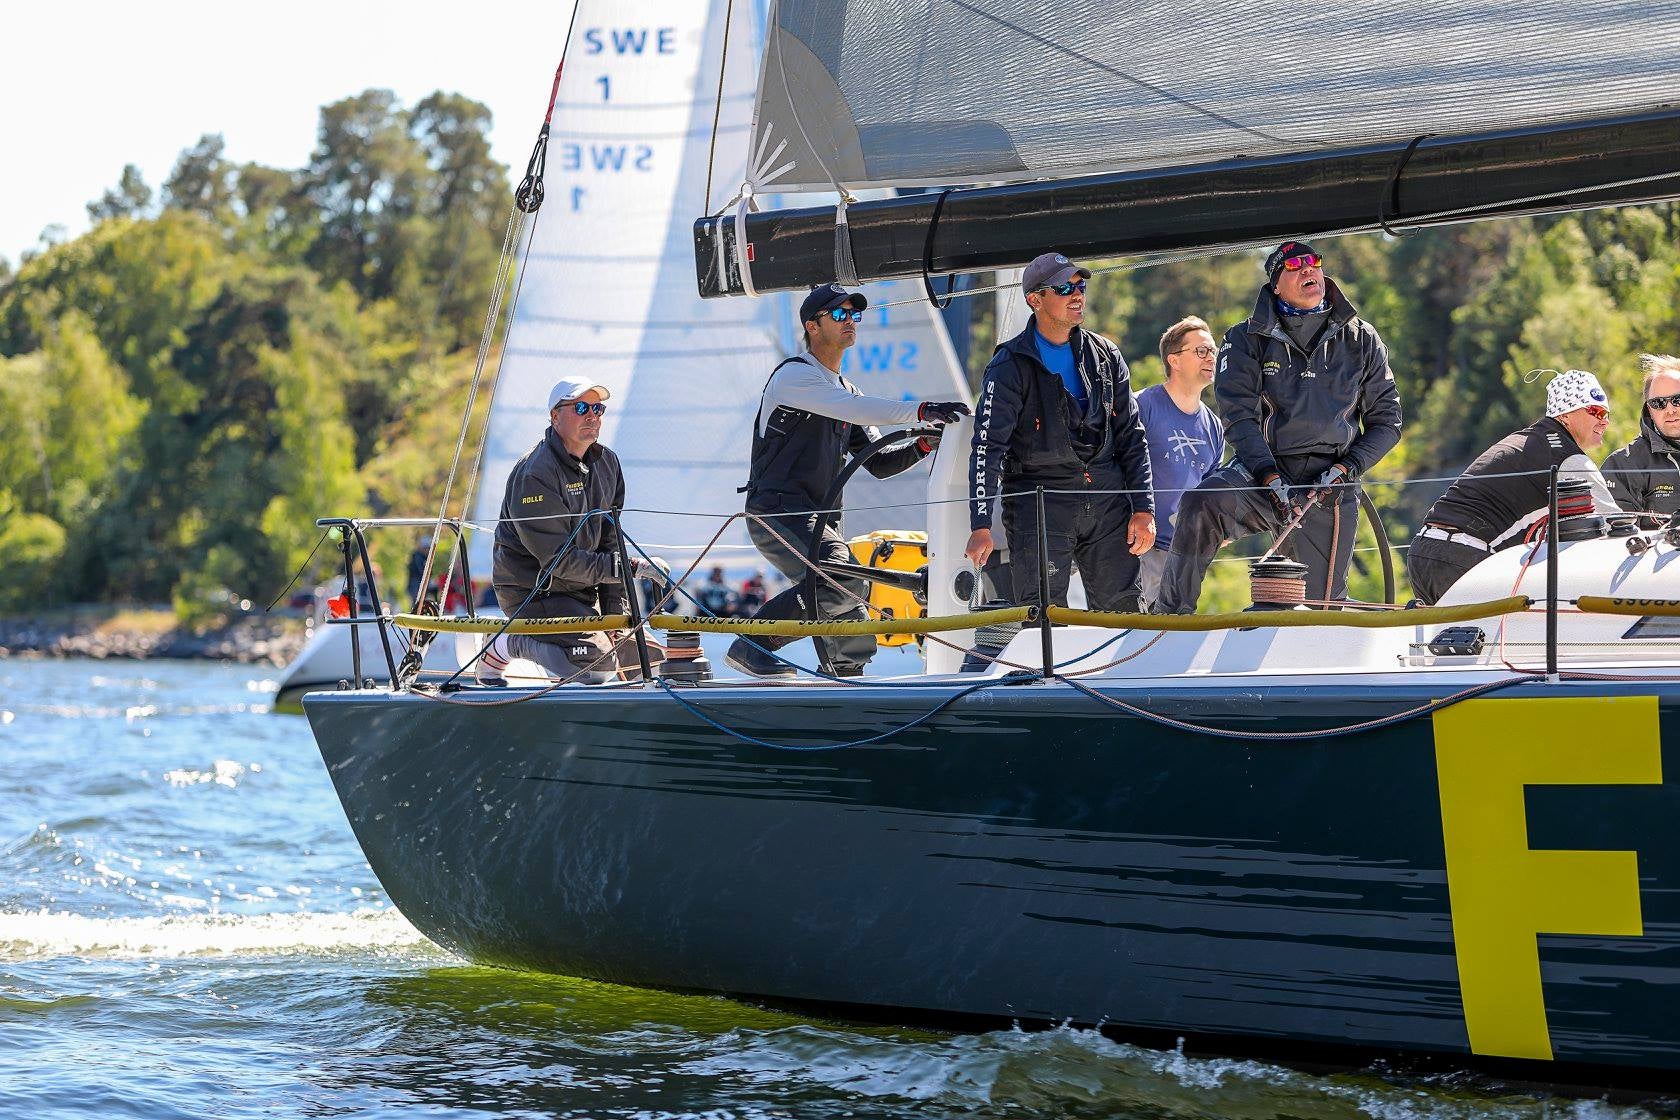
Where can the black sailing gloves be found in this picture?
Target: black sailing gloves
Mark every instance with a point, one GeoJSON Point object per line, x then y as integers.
{"type": "Point", "coordinates": [933, 412]}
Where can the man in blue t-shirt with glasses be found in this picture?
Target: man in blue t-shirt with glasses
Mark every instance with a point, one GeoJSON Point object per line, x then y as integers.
{"type": "Point", "coordinates": [1186, 440]}
{"type": "Point", "coordinates": [1056, 411]}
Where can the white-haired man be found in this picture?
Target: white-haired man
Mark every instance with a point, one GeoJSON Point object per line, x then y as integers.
{"type": "Point", "coordinates": [1645, 475]}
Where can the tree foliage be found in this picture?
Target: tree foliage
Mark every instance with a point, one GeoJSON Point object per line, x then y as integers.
{"type": "Point", "coordinates": [187, 386]}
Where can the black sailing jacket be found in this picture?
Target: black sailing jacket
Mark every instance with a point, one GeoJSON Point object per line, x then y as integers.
{"type": "Point", "coordinates": [1339, 401]}
{"type": "Point", "coordinates": [1025, 430]}
{"type": "Point", "coordinates": [548, 481]}
{"type": "Point", "coordinates": [1644, 475]}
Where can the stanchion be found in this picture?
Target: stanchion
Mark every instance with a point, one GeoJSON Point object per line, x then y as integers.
{"type": "Point", "coordinates": [633, 602]}
{"type": "Point", "coordinates": [1047, 646]}
{"type": "Point", "coordinates": [350, 599]}
{"type": "Point", "coordinates": [1552, 579]}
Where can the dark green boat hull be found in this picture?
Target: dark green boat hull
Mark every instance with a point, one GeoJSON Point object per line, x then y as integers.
{"type": "Point", "coordinates": [1031, 854]}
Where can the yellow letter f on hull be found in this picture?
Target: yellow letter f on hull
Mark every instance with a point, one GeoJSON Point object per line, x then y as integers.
{"type": "Point", "coordinates": [1503, 893]}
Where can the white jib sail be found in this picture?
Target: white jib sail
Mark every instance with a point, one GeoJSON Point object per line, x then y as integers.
{"type": "Point", "coordinates": [609, 291]}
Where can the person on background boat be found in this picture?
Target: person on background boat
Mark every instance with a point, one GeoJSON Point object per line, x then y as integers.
{"type": "Point", "coordinates": [1186, 440]}
{"type": "Point", "coordinates": [1644, 475]}
{"type": "Point", "coordinates": [715, 596]}
{"type": "Point", "coordinates": [809, 418]}
{"type": "Point", "coordinates": [568, 473]}
{"type": "Point", "coordinates": [1309, 403]}
{"type": "Point", "coordinates": [1056, 410]}
{"type": "Point", "coordinates": [1507, 489]}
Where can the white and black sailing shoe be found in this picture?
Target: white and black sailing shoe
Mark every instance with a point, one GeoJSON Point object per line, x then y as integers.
{"type": "Point", "coordinates": [492, 663]}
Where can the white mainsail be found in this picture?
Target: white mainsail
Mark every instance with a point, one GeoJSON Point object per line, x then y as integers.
{"type": "Point", "coordinates": [608, 288]}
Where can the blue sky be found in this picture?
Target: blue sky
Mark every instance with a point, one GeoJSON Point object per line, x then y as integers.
{"type": "Point", "coordinates": [88, 87]}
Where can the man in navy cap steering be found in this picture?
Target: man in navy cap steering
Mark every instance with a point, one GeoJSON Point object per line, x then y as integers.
{"type": "Point", "coordinates": [809, 418]}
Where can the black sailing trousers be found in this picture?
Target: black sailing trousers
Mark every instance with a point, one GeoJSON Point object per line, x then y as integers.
{"type": "Point", "coordinates": [1229, 505]}
{"type": "Point", "coordinates": [1086, 529]}
{"type": "Point", "coordinates": [1434, 565]}
{"type": "Point", "coordinates": [845, 654]}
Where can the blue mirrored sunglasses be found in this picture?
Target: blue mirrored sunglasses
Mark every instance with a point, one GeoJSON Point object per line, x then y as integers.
{"type": "Point", "coordinates": [583, 408]}
{"type": "Point", "coordinates": [841, 314]}
{"type": "Point", "coordinates": [1067, 289]}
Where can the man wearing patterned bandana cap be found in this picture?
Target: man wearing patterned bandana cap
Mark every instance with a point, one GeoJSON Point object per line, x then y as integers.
{"type": "Point", "coordinates": [1497, 498]}
{"type": "Point", "coordinates": [1310, 405]}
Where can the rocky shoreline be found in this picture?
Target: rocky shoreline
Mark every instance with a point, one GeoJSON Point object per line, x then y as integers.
{"type": "Point", "coordinates": [139, 635]}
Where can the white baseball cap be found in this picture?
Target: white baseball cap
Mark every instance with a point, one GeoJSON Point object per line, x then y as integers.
{"type": "Point", "coordinates": [571, 388]}
{"type": "Point", "coordinates": [1572, 389]}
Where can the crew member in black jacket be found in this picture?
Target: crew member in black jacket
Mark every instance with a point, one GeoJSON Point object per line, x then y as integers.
{"type": "Point", "coordinates": [1056, 411]}
{"type": "Point", "coordinates": [567, 474]}
{"type": "Point", "coordinates": [1309, 404]}
{"type": "Point", "coordinates": [1491, 505]}
{"type": "Point", "coordinates": [1645, 474]}
{"type": "Point", "coordinates": [809, 418]}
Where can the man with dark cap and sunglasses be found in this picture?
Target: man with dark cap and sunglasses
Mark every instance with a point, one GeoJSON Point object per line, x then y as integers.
{"type": "Point", "coordinates": [1309, 403]}
{"type": "Point", "coordinates": [1507, 489]}
{"type": "Point", "coordinates": [1056, 410]}
{"type": "Point", "coordinates": [1644, 475]}
{"type": "Point", "coordinates": [809, 419]}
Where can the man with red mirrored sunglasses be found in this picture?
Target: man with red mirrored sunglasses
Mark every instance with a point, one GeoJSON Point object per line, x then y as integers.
{"type": "Point", "coordinates": [1310, 405]}
{"type": "Point", "coordinates": [1645, 475]}
{"type": "Point", "coordinates": [1492, 504]}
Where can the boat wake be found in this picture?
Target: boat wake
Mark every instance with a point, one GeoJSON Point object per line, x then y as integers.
{"type": "Point", "coordinates": [1071, 1071]}
{"type": "Point", "coordinates": [44, 934]}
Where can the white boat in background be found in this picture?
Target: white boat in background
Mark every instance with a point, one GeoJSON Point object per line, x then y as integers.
{"type": "Point", "coordinates": [608, 288]}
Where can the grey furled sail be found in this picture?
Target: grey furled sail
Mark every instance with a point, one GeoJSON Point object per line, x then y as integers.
{"type": "Point", "coordinates": [1109, 128]}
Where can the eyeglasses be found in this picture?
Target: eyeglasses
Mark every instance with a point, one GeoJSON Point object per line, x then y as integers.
{"type": "Point", "coordinates": [1200, 351]}
{"type": "Point", "coordinates": [1596, 411]}
{"type": "Point", "coordinates": [1302, 260]}
{"type": "Point", "coordinates": [583, 408]}
{"type": "Point", "coordinates": [1657, 404]}
{"type": "Point", "coordinates": [841, 314]}
{"type": "Point", "coordinates": [1067, 289]}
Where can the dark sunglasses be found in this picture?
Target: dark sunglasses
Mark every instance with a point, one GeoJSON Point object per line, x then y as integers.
{"type": "Point", "coordinates": [1200, 351]}
{"type": "Point", "coordinates": [1065, 289]}
{"type": "Point", "coordinates": [1303, 260]}
{"type": "Point", "coordinates": [841, 314]}
{"type": "Point", "coordinates": [583, 408]}
{"type": "Point", "coordinates": [1657, 404]}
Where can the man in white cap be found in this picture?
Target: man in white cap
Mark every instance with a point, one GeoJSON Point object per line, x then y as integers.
{"type": "Point", "coordinates": [1493, 503]}
{"type": "Point", "coordinates": [566, 475]}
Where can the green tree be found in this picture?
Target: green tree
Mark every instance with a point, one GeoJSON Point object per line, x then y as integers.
{"type": "Point", "coordinates": [202, 180]}
{"type": "Point", "coordinates": [130, 198]}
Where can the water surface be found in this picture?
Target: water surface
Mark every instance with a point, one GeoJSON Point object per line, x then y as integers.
{"type": "Point", "coordinates": [188, 929]}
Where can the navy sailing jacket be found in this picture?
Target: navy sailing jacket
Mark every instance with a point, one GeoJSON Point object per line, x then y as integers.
{"type": "Point", "coordinates": [1278, 402]}
{"type": "Point", "coordinates": [1027, 432]}
{"type": "Point", "coordinates": [1644, 475]}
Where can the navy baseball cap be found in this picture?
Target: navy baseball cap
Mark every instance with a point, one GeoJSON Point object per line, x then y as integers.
{"type": "Point", "coordinates": [826, 298]}
{"type": "Point", "coordinates": [1050, 268]}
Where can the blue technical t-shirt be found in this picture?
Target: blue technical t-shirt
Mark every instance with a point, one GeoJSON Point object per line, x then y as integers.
{"type": "Point", "coordinates": [1059, 361]}
{"type": "Point", "coordinates": [1182, 450]}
